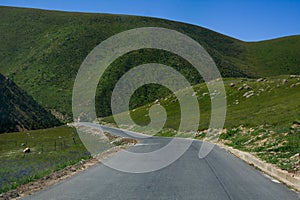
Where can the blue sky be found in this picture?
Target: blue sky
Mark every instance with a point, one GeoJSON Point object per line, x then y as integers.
{"type": "Point", "coordinates": [246, 20]}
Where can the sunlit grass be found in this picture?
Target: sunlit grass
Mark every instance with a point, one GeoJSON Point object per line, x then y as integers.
{"type": "Point", "coordinates": [51, 150]}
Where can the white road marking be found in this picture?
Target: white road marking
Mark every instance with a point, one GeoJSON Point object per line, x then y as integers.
{"type": "Point", "coordinates": [148, 144]}
{"type": "Point", "coordinates": [271, 178]}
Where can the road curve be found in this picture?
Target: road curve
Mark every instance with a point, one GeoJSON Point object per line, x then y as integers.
{"type": "Point", "coordinates": [218, 176]}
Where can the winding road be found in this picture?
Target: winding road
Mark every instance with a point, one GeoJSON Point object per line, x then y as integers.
{"type": "Point", "coordinates": [218, 176]}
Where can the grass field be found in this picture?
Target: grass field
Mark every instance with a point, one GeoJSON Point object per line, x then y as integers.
{"type": "Point", "coordinates": [277, 56]}
{"type": "Point", "coordinates": [51, 150]}
{"type": "Point", "coordinates": [273, 101]}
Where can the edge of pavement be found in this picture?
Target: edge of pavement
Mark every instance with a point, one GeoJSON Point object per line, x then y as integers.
{"type": "Point", "coordinates": [285, 177]}
{"type": "Point", "coordinates": [289, 179]}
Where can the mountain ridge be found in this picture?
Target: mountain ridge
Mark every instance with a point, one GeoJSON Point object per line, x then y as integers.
{"type": "Point", "coordinates": [42, 50]}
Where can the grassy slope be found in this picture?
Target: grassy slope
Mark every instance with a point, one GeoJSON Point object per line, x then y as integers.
{"type": "Point", "coordinates": [45, 157]}
{"type": "Point", "coordinates": [274, 103]}
{"type": "Point", "coordinates": [280, 147]}
{"type": "Point", "coordinates": [42, 51]}
{"type": "Point", "coordinates": [274, 57]}
{"type": "Point", "coordinates": [19, 111]}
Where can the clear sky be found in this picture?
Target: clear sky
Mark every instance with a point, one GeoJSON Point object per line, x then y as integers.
{"type": "Point", "coordinates": [248, 20]}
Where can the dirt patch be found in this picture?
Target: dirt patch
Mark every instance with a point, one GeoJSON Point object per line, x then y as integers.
{"type": "Point", "coordinates": [110, 136]}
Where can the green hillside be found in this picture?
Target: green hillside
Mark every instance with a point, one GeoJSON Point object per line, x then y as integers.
{"type": "Point", "coordinates": [250, 103]}
{"type": "Point", "coordinates": [42, 50]}
{"type": "Point", "coordinates": [19, 112]}
{"type": "Point", "coordinates": [275, 57]}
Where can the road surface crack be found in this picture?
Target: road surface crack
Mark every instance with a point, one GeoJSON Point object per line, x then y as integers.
{"type": "Point", "coordinates": [219, 180]}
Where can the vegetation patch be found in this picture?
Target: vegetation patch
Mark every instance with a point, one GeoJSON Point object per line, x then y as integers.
{"type": "Point", "coordinates": [280, 148]}
{"type": "Point", "coordinates": [50, 150]}
{"type": "Point", "coordinates": [250, 102]}
{"type": "Point", "coordinates": [41, 51]}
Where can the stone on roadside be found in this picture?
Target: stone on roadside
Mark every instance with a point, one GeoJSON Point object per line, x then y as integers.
{"type": "Point", "coordinates": [73, 169]}
{"type": "Point", "coordinates": [26, 150]}
{"type": "Point", "coordinates": [260, 79]}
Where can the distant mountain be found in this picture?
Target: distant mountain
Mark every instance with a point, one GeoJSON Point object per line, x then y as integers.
{"type": "Point", "coordinates": [42, 51]}
{"type": "Point", "coordinates": [274, 57]}
{"type": "Point", "coordinates": [19, 112]}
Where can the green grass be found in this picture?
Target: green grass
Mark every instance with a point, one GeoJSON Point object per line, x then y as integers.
{"type": "Point", "coordinates": [276, 147]}
{"type": "Point", "coordinates": [274, 103]}
{"type": "Point", "coordinates": [42, 52]}
{"type": "Point", "coordinates": [51, 150]}
{"type": "Point", "coordinates": [274, 57]}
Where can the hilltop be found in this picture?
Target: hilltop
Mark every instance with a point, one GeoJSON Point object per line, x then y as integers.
{"type": "Point", "coordinates": [19, 111]}
{"type": "Point", "coordinates": [41, 51]}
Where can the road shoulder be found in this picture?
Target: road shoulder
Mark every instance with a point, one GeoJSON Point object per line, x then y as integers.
{"type": "Point", "coordinates": [285, 177]}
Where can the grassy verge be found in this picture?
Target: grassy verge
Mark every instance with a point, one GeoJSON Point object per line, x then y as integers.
{"type": "Point", "coordinates": [280, 148]}
{"type": "Point", "coordinates": [50, 150]}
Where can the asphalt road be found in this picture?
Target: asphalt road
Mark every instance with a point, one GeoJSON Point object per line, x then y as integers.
{"type": "Point", "coordinates": [219, 176]}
